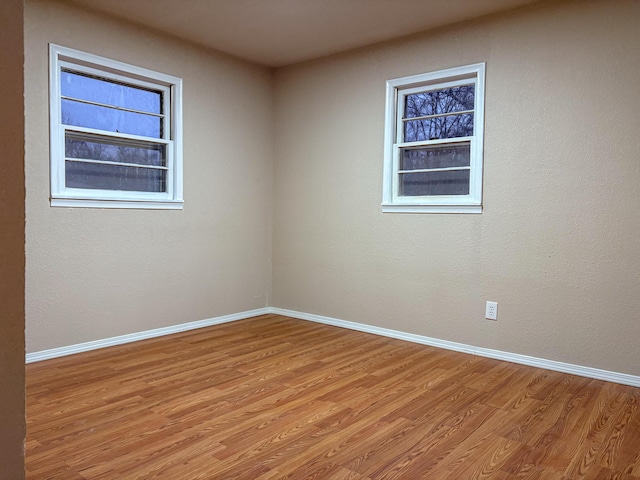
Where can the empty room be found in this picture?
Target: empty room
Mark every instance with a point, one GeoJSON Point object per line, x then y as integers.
{"type": "Point", "coordinates": [365, 239]}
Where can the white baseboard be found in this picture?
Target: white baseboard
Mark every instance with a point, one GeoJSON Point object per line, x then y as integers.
{"type": "Point", "coordinates": [134, 337]}
{"type": "Point", "coordinates": [589, 372]}
{"type": "Point", "coordinates": [569, 368]}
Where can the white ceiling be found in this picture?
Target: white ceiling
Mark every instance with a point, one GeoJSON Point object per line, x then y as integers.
{"type": "Point", "coordinates": [282, 32]}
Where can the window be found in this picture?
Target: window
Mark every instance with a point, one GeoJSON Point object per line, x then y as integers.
{"type": "Point", "coordinates": [116, 134]}
{"type": "Point", "coordinates": [433, 142]}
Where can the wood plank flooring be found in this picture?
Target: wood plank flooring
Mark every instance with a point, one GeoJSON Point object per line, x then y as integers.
{"type": "Point", "coordinates": [278, 398]}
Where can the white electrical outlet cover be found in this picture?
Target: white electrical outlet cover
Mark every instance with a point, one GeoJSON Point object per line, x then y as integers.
{"type": "Point", "coordinates": [491, 312]}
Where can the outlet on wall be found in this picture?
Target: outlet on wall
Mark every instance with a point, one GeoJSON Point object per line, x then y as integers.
{"type": "Point", "coordinates": [491, 312]}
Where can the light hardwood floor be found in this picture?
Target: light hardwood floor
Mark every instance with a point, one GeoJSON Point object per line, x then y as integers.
{"type": "Point", "coordinates": [274, 397]}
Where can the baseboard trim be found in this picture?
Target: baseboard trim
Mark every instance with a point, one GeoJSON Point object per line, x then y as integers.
{"type": "Point", "coordinates": [134, 337]}
{"type": "Point", "coordinates": [569, 368]}
{"type": "Point", "coordinates": [589, 372]}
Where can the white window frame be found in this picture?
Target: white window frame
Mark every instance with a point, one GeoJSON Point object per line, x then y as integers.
{"type": "Point", "coordinates": [63, 196]}
{"type": "Point", "coordinates": [397, 90]}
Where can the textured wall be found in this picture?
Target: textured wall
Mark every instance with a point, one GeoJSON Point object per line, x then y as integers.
{"type": "Point", "coordinates": [12, 423]}
{"type": "Point", "coordinates": [557, 244]}
{"type": "Point", "coordinates": [98, 273]}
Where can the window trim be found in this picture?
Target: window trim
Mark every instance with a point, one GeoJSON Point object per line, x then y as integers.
{"type": "Point", "coordinates": [61, 196]}
{"type": "Point", "coordinates": [396, 91]}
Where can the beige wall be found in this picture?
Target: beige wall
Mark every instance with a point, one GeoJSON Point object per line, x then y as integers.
{"type": "Point", "coordinates": [557, 244]}
{"type": "Point", "coordinates": [98, 273]}
{"type": "Point", "coordinates": [12, 422]}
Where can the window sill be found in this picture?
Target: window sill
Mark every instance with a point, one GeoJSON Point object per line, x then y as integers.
{"type": "Point", "coordinates": [96, 203]}
{"type": "Point", "coordinates": [406, 208]}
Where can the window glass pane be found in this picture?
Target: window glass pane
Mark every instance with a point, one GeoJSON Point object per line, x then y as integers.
{"type": "Point", "coordinates": [109, 119]}
{"type": "Point", "coordinates": [114, 177]}
{"type": "Point", "coordinates": [436, 102]}
{"type": "Point", "coordinates": [434, 183]}
{"type": "Point", "coordinates": [451, 126]}
{"type": "Point", "coordinates": [91, 147]}
{"type": "Point", "coordinates": [444, 156]}
{"type": "Point", "coordinates": [98, 90]}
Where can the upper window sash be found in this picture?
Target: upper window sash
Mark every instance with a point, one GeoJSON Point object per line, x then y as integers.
{"type": "Point", "coordinates": [164, 90]}
{"type": "Point", "coordinates": [401, 106]}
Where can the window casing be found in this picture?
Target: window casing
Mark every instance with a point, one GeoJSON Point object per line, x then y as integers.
{"type": "Point", "coordinates": [434, 142]}
{"type": "Point", "coordinates": [115, 133]}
